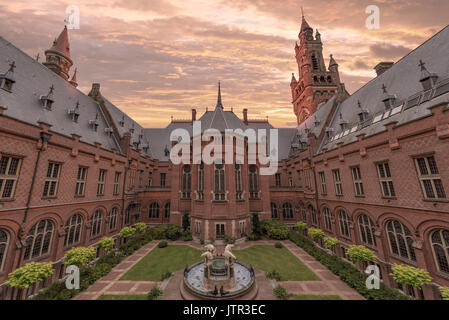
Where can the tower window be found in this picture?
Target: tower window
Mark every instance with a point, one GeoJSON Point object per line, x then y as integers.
{"type": "Point", "coordinates": [315, 65]}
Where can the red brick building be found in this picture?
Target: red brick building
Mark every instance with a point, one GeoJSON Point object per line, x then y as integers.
{"type": "Point", "coordinates": [370, 168]}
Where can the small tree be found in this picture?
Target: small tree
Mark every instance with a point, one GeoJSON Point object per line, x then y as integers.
{"type": "Point", "coordinates": [411, 276]}
{"type": "Point", "coordinates": [140, 227]}
{"type": "Point", "coordinates": [106, 243]}
{"type": "Point", "coordinates": [185, 221]}
{"type": "Point", "coordinates": [30, 274]}
{"type": "Point", "coordinates": [444, 292]}
{"type": "Point", "coordinates": [79, 256]}
{"type": "Point", "coordinates": [301, 225]}
{"type": "Point", "coordinates": [127, 232]}
{"type": "Point", "coordinates": [257, 230]}
{"type": "Point", "coordinates": [315, 233]}
{"type": "Point", "coordinates": [361, 253]}
{"type": "Point", "coordinates": [331, 242]}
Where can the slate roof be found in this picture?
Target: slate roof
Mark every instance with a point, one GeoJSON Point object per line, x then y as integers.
{"type": "Point", "coordinates": [401, 80]}
{"type": "Point", "coordinates": [33, 80]}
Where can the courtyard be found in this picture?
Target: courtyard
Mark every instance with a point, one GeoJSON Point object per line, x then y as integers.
{"type": "Point", "coordinates": [300, 274]}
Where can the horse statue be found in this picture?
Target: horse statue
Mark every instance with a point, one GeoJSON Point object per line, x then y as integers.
{"type": "Point", "coordinates": [210, 248]}
{"type": "Point", "coordinates": [229, 256]}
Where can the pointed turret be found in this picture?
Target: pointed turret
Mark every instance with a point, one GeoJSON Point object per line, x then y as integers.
{"type": "Point", "coordinates": [293, 82]}
{"type": "Point", "coordinates": [58, 56]}
{"type": "Point", "coordinates": [219, 104]}
{"type": "Point", "coordinates": [332, 62]}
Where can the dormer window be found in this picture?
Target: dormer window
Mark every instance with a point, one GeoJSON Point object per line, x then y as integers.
{"type": "Point", "coordinates": [122, 122]}
{"type": "Point", "coordinates": [136, 144]}
{"type": "Point", "coordinates": [427, 79]}
{"type": "Point", "coordinates": [94, 123]}
{"type": "Point", "coordinates": [387, 98]}
{"type": "Point", "coordinates": [343, 123]}
{"type": "Point", "coordinates": [166, 151]}
{"type": "Point", "coordinates": [47, 101]}
{"type": "Point", "coordinates": [75, 113]}
{"type": "Point", "coordinates": [329, 132]}
{"type": "Point", "coordinates": [316, 122]}
{"type": "Point", "coordinates": [363, 113]}
{"type": "Point", "coordinates": [145, 148]}
{"type": "Point", "coordinates": [7, 79]}
{"type": "Point", "coordinates": [108, 131]}
{"type": "Point", "coordinates": [132, 129]}
{"type": "Point", "coordinates": [140, 135]}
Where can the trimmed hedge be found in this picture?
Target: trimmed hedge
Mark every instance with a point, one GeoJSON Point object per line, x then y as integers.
{"type": "Point", "coordinates": [346, 271]}
{"type": "Point", "coordinates": [275, 229]}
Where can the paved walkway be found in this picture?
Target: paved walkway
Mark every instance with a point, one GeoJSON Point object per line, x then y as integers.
{"type": "Point", "coordinates": [111, 285]}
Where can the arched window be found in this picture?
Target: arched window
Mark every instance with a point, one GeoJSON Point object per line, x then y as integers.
{"type": "Point", "coordinates": [366, 226]}
{"type": "Point", "coordinates": [303, 212]}
{"type": "Point", "coordinates": [315, 62]}
{"type": "Point", "coordinates": [253, 183]}
{"type": "Point", "coordinates": [112, 219]}
{"type": "Point", "coordinates": [440, 245]}
{"type": "Point", "coordinates": [400, 239]}
{"type": "Point", "coordinates": [313, 215]}
{"type": "Point", "coordinates": [96, 224]}
{"type": "Point", "coordinates": [167, 211]}
{"type": "Point", "coordinates": [274, 211]}
{"type": "Point", "coordinates": [287, 211]}
{"type": "Point", "coordinates": [4, 241]}
{"type": "Point", "coordinates": [154, 210]}
{"type": "Point", "coordinates": [343, 218]}
{"type": "Point", "coordinates": [186, 185]}
{"type": "Point", "coordinates": [238, 182]}
{"type": "Point", "coordinates": [39, 239]}
{"type": "Point", "coordinates": [73, 230]}
{"type": "Point", "coordinates": [219, 185]}
{"type": "Point", "coordinates": [328, 217]}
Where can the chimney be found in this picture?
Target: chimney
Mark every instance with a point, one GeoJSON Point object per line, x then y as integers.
{"type": "Point", "coordinates": [193, 115]}
{"type": "Point", "coordinates": [245, 116]}
{"type": "Point", "coordinates": [382, 67]}
{"type": "Point", "coordinates": [95, 91]}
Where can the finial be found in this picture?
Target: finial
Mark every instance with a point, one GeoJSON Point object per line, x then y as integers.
{"type": "Point", "coordinates": [37, 57]}
{"type": "Point", "coordinates": [359, 104]}
{"type": "Point", "coordinates": [384, 88]}
{"type": "Point", "coordinates": [12, 66]}
{"type": "Point", "coordinates": [302, 11]}
{"type": "Point", "coordinates": [422, 64]}
{"type": "Point", "coordinates": [52, 88]}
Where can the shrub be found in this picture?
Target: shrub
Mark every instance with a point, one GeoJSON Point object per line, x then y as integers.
{"type": "Point", "coordinates": [167, 231]}
{"type": "Point", "coordinates": [273, 274]}
{"type": "Point", "coordinates": [280, 293]}
{"type": "Point", "coordinates": [252, 237]}
{"type": "Point", "coordinates": [229, 240]}
{"type": "Point", "coordinates": [154, 293]}
{"type": "Point", "coordinates": [315, 233]}
{"type": "Point", "coordinates": [257, 230]}
{"type": "Point", "coordinates": [411, 276]}
{"type": "Point", "coordinates": [79, 256]}
{"type": "Point", "coordinates": [347, 272]}
{"type": "Point", "coordinates": [126, 232]}
{"type": "Point", "coordinates": [361, 253]}
{"type": "Point", "coordinates": [106, 243]}
{"type": "Point", "coordinates": [29, 274]}
{"type": "Point", "coordinates": [201, 241]}
{"type": "Point", "coordinates": [140, 227]}
{"type": "Point", "coordinates": [331, 242]}
{"type": "Point", "coordinates": [167, 274]}
{"type": "Point", "coordinates": [278, 245]}
{"type": "Point", "coordinates": [275, 229]}
{"type": "Point", "coordinates": [444, 292]}
{"type": "Point", "coordinates": [187, 236]}
{"type": "Point", "coordinates": [301, 225]}
{"type": "Point", "coordinates": [162, 244]}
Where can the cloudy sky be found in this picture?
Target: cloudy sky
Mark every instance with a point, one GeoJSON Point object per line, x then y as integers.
{"type": "Point", "coordinates": [160, 58]}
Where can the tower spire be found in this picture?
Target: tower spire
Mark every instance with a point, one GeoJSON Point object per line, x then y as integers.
{"type": "Point", "coordinates": [58, 56]}
{"type": "Point", "coordinates": [219, 104]}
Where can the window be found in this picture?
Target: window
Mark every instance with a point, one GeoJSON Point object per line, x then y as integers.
{"type": "Point", "coordinates": [128, 214]}
{"type": "Point", "coordinates": [401, 240]}
{"type": "Point", "coordinates": [73, 230]}
{"type": "Point", "coordinates": [167, 211]}
{"type": "Point", "coordinates": [154, 210]}
{"type": "Point", "coordinates": [386, 183]}
{"type": "Point", "coordinates": [150, 179]}
{"type": "Point", "coordinates": [163, 175]}
{"type": "Point", "coordinates": [101, 180]}
{"type": "Point", "coordinates": [186, 183]}
{"type": "Point", "coordinates": [358, 184]}
{"type": "Point", "coordinates": [290, 179]}
{"type": "Point", "coordinates": [253, 183]}
{"type": "Point", "coordinates": [51, 180]}
{"type": "Point", "coordinates": [440, 246]}
{"type": "Point", "coordinates": [242, 228]}
{"type": "Point", "coordinates": [238, 182]}
{"type": "Point", "coordinates": [307, 178]}
{"type": "Point", "coordinates": [140, 178]}
{"type": "Point", "coordinates": [274, 211]}
{"type": "Point", "coordinates": [328, 217]}
{"type": "Point", "coordinates": [315, 62]}
{"type": "Point", "coordinates": [313, 215]}
{"type": "Point", "coordinates": [38, 240]}
{"type": "Point", "coordinates": [299, 178]}
{"type": "Point", "coordinates": [303, 212]}
{"type": "Point", "coordinates": [81, 181]}
{"type": "Point", "coordinates": [197, 227]}
{"type": "Point", "coordinates": [137, 212]}
{"type": "Point", "coordinates": [277, 177]}
{"type": "Point", "coordinates": [9, 173]}
{"type": "Point", "coordinates": [344, 223]}
{"type": "Point", "coordinates": [430, 178]}
{"type": "Point", "coordinates": [201, 182]}
{"type": "Point", "coordinates": [96, 224]}
{"type": "Point", "coordinates": [337, 181]}
{"type": "Point", "coordinates": [219, 186]}
{"type": "Point", "coordinates": [4, 242]}
{"type": "Point", "coordinates": [366, 226]}
{"type": "Point", "coordinates": [112, 219]}
{"type": "Point", "coordinates": [116, 183]}
{"type": "Point", "coordinates": [219, 231]}
{"type": "Point", "coordinates": [287, 211]}
{"type": "Point", "coordinates": [132, 177]}
{"type": "Point", "coordinates": [323, 183]}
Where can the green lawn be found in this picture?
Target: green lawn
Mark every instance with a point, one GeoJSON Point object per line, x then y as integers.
{"type": "Point", "coordinates": [160, 260]}
{"type": "Point", "coordinates": [268, 258]}
{"type": "Point", "coordinates": [314, 297]}
{"type": "Point", "coordinates": [123, 297]}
